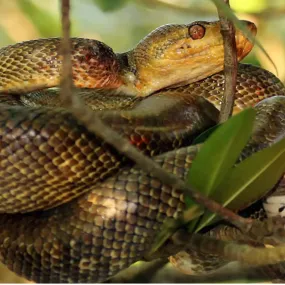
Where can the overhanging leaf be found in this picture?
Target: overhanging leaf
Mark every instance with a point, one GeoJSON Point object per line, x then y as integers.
{"type": "Point", "coordinates": [250, 180]}
{"type": "Point", "coordinates": [110, 5]}
{"type": "Point", "coordinates": [220, 152]}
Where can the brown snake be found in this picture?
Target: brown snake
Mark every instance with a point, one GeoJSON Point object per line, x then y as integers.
{"type": "Point", "coordinates": [100, 219]}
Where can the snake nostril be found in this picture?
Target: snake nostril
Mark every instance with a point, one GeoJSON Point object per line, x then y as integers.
{"type": "Point", "coordinates": [281, 209]}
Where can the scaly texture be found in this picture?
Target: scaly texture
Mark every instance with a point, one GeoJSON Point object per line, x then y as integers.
{"type": "Point", "coordinates": [103, 231]}
{"type": "Point", "coordinates": [48, 158]}
{"type": "Point", "coordinates": [97, 235]}
{"type": "Point", "coordinates": [253, 85]}
{"type": "Point", "coordinates": [167, 56]}
{"type": "Point", "coordinates": [37, 64]}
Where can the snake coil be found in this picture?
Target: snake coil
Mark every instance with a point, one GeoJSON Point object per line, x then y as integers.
{"type": "Point", "coordinates": [73, 209]}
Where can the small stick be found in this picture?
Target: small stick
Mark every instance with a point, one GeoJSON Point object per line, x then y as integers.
{"type": "Point", "coordinates": [94, 124]}
{"type": "Point", "coordinates": [230, 63]}
{"type": "Point", "coordinates": [66, 83]}
{"type": "Point", "coordinates": [229, 250]}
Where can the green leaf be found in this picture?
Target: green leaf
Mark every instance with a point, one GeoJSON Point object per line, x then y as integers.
{"type": "Point", "coordinates": [220, 152]}
{"type": "Point", "coordinates": [250, 180]}
{"type": "Point", "coordinates": [205, 135]}
{"type": "Point", "coordinates": [170, 226]}
{"type": "Point", "coordinates": [110, 5]}
{"type": "Point", "coordinates": [188, 201]}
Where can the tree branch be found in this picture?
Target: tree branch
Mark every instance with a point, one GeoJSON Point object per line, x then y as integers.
{"type": "Point", "coordinates": [66, 76]}
{"type": "Point", "coordinates": [94, 124]}
{"type": "Point", "coordinates": [229, 250]}
{"type": "Point", "coordinates": [230, 63]}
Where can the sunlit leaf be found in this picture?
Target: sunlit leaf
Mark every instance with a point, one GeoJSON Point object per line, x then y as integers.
{"type": "Point", "coordinates": [188, 201]}
{"type": "Point", "coordinates": [250, 180]}
{"type": "Point", "coordinates": [220, 152]}
{"type": "Point", "coordinates": [110, 5]}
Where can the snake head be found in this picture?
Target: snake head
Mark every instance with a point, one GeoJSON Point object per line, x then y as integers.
{"type": "Point", "coordinates": [179, 54]}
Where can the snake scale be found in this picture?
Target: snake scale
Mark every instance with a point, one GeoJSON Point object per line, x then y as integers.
{"type": "Point", "coordinates": [73, 209]}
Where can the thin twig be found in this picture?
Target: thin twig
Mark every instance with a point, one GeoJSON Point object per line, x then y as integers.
{"type": "Point", "coordinates": [95, 125]}
{"type": "Point", "coordinates": [230, 64]}
{"type": "Point", "coordinates": [225, 249]}
{"type": "Point", "coordinates": [229, 250]}
{"type": "Point", "coordinates": [66, 76]}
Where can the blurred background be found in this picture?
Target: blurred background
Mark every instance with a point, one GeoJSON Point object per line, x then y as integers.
{"type": "Point", "coordinates": [122, 23]}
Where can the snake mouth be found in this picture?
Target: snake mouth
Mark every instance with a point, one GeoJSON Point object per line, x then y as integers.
{"type": "Point", "coordinates": [244, 42]}
{"type": "Point", "coordinates": [182, 54]}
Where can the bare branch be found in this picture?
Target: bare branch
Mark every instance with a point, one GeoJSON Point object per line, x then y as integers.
{"type": "Point", "coordinates": [230, 63]}
{"type": "Point", "coordinates": [66, 79]}
{"type": "Point", "coordinates": [227, 250]}
{"type": "Point", "coordinates": [94, 124]}
{"type": "Point", "coordinates": [232, 251]}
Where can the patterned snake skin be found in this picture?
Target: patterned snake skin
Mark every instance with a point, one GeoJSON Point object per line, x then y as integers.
{"type": "Point", "coordinates": [72, 208]}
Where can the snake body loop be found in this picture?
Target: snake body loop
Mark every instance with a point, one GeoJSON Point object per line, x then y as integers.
{"type": "Point", "coordinates": [72, 208]}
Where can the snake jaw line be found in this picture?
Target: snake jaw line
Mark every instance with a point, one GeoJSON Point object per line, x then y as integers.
{"type": "Point", "coordinates": [170, 55]}
{"type": "Point", "coordinates": [177, 59]}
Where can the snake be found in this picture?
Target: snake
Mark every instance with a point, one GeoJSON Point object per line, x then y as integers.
{"type": "Point", "coordinates": [74, 209]}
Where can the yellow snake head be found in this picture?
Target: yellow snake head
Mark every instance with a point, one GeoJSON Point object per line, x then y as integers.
{"type": "Point", "coordinates": [180, 54]}
{"type": "Point", "coordinates": [170, 55]}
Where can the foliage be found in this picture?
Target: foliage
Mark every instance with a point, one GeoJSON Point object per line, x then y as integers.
{"type": "Point", "coordinates": [110, 5]}
{"type": "Point", "coordinates": [220, 152]}
{"type": "Point", "coordinates": [235, 186]}
{"type": "Point", "coordinates": [215, 173]}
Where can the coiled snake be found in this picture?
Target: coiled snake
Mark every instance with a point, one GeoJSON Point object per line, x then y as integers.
{"type": "Point", "coordinates": [72, 208]}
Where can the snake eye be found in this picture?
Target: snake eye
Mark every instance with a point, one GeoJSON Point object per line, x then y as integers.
{"type": "Point", "coordinates": [196, 32]}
